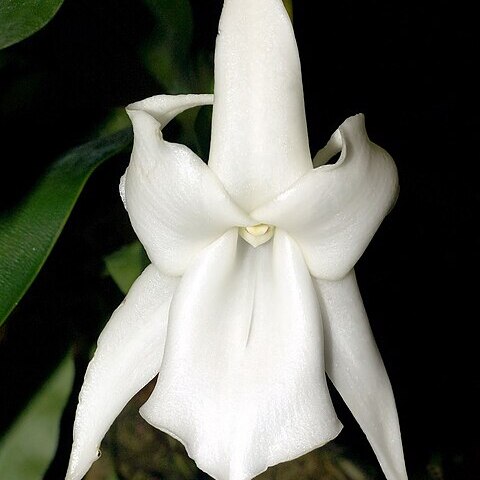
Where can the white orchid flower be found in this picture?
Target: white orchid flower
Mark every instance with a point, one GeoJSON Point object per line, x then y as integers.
{"type": "Point", "coordinates": [251, 295]}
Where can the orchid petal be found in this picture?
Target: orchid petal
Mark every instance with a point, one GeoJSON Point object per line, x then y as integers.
{"type": "Point", "coordinates": [259, 134]}
{"type": "Point", "coordinates": [355, 367]}
{"type": "Point", "coordinates": [128, 356]}
{"type": "Point", "coordinates": [242, 385]}
{"type": "Point", "coordinates": [334, 211]}
{"type": "Point", "coordinates": [176, 204]}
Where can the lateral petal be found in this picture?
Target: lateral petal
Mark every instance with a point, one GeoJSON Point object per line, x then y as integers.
{"type": "Point", "coordinates": [242, 385]}
{"type": "Point", "coordinates": [334, 211]}
{"type": "Point", "coordinates": [176, 204]}
{"type": "Point", "coordinates": [128, 356]}
{"type": "Point", "coordinates": [259, 134]}
{"type": "Point", "coordinates": [355, 367]}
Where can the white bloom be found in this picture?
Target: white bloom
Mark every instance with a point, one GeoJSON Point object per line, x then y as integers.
{"type": "Point", "coordinates": [251, 295]}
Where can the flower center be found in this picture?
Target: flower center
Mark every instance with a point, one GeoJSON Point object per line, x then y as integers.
{"type": "Point", "coordinates": [257, 235]}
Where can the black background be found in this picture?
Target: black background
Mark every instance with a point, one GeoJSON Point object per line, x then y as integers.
{"type": "Point", "coordinates": [409, 68]}
{"type": "Point", "coordinates": [407, 65]}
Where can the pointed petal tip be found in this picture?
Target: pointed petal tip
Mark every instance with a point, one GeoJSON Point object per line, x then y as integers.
{"type": "Point", "coordinates": [356, 369]}
{"type": "Point", "coordinates": [77, 469]}
{"type": "Point", "coordinates": [134, 335]}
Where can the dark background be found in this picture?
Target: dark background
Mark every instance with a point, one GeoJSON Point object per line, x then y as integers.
{"type": "Point", "coordinates": [407, 65]}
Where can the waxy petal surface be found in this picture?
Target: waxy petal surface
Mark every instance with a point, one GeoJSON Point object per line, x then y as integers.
{"type": "Point", "coordinates": [334, 211]}
{"type": "Point", "coordinates": [355, 367]}
{"type": "Point", "coordinates": [128, 356]}
{"type": "Point", "coordinates": [242, 384]}
{"type": "Point", "coordinates": [176, 204]}
{"type": "Point", "coordinates": [259, 134]}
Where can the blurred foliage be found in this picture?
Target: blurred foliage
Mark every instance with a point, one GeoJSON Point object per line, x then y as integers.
{"type": "Point", "coordinates": [20, 19]}
{"type": "Point", "coordinates": [28, 232]}
{"type": "Point", "coordinates": [168, 57]}
{"type": "Point", "coordinates": [115, 121]}
{"type": "Point", "coordinates": [28, 447]}
{"type": "Point", "coordinates": [167, 53]}
{"type": "Point", "coordinates": [126, 264]}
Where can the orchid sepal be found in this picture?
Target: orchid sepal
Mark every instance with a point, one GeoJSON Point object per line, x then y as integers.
{"type": "Point", "coordinates": [135, 333]}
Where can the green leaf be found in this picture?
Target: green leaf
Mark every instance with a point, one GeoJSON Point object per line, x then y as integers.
{"type": "Point", "coordinates": [167, 56]}
{"type": "Point", "coordinates": [29, 446]}
{"type": "Point", "coordinates": [21, 18]}
{"type": "Point", "coordinates": [113, 476]}
{"type": "Point", "coordinates": [28, 233]}
{"type": "Point", "coordinates": [126, 264]}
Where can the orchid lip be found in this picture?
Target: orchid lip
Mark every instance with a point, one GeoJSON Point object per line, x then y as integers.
{"type": "Point", "coordinates": [257, 235]}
